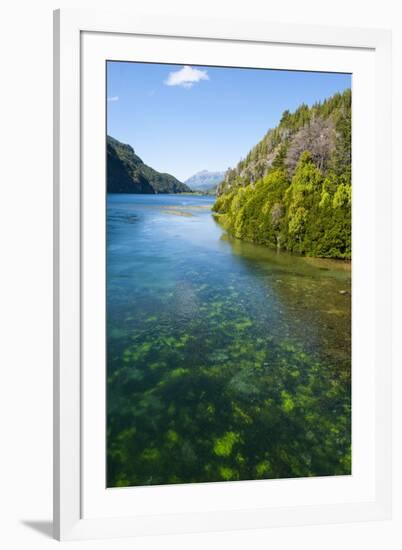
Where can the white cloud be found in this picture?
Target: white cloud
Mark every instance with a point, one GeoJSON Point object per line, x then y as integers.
{"type": "Point", "coordinates": [186, 77]}
{"type": "Point", "coordinates": [113, 98]}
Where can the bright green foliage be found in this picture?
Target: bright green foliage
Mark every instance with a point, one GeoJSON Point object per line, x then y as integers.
{"type": "Point", "coordinates": [287, 402]}
{"type": "Point", "coordinates": [287, 196]}
{"type": "Point", "coordinates": [228, 474]}
{"type": "Point", "coordinates": [224, 445]}
{"type": "Point", "coordinates": [255, 213]}
{"type": "Point", "coordinates": [308, 215]}
{"type": "Point", "coordinates": [263, 469]}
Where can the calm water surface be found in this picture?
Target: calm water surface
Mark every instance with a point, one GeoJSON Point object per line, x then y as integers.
{"type": "Point", "coordinates": [226, 360]}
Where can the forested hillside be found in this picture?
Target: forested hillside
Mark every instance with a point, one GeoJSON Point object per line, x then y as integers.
{"type": "Point", "coordinates": [293, 190]}
{"type": "Point", "coordinates": [127, 173]}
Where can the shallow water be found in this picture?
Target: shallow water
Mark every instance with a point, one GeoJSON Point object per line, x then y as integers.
{"type": "Point", "coordinates": [226, 360]}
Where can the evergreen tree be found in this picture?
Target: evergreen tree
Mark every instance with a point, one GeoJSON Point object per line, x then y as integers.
{"type": "Point", "coordinates": [293, 190]}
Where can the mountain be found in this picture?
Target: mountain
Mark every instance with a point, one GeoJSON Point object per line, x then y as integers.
{"type": "Point", "coordinates": [205, 180]}
{"type": "Point", "coordinates": [293, 190]}
{"type": "Point", "coordinates": [127, 173]}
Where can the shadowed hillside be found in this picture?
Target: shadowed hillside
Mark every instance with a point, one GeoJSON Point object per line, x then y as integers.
{"type": "Point", "coordinates": [127, 173]}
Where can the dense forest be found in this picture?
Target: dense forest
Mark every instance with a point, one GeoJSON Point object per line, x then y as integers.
{"type": "Point", "coordinates": [293, 190]}
{"type": "Point", "coordinates": [127, 173]}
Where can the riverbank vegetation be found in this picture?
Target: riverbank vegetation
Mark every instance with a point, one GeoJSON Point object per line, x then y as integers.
{"type": "Point", "coordinates": [293, 190]}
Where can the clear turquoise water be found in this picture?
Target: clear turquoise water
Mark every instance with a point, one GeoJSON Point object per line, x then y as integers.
{"type": "Point", "coordinates": [225, 360]}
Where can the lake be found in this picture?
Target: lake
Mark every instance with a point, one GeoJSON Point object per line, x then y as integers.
{"type": "Point", "coordinates": [225, 360]}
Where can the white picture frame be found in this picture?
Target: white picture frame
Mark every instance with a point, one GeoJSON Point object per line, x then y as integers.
{"type": "Point", "coordinates": [83, 507]}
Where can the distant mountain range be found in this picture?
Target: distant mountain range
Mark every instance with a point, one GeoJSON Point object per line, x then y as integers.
{"type": "Point", "coordinates": [205, 180]}
{"type": "Point", "coordinates": [127, 173]}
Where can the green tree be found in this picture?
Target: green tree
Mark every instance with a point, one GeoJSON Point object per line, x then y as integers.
{"type": "Point", "coordinates": [293, 190]}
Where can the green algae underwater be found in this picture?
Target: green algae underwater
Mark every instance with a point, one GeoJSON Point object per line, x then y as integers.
{"type": "Point", "coordinates": [225, 360]}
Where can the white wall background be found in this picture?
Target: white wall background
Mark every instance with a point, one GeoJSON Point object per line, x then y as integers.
{"type": "Point", "coordinates": [26, 271]}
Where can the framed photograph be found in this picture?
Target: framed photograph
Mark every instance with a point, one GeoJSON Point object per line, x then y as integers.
{"type": "Point", "coordinates": [219, 364]}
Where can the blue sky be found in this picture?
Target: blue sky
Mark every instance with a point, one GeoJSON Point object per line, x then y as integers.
{"type": "Point", "coordinates": [182, 120]}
